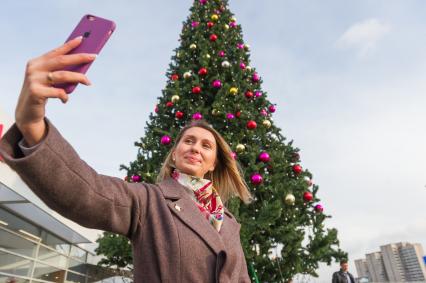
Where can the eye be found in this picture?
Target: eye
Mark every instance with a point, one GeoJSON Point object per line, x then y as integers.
{"type": "Point", "coordinates": [207, 145]}
{"type": "Point", "coordinates": [188, 141]}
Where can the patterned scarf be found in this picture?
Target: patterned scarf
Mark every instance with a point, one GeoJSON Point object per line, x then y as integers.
{"type": "Point", "coordinates": [205, 196]}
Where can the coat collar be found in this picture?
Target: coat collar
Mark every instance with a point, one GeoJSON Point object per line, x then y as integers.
{"type": "Point", "coordinates": [191, 216]}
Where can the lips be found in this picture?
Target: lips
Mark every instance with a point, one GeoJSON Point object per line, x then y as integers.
{"type": "Point", "coordinates": [192, 159]}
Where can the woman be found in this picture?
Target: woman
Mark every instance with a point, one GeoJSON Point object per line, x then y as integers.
{"type": "Point", "coordinates": [179, 229]}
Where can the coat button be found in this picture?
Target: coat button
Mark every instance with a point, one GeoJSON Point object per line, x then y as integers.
{"type": "Point", "coordinates": [177, 207]}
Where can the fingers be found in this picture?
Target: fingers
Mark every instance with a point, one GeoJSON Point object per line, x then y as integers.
{"type": "Point", "coordinates": [62, 61]}
{"type": "Point", "coordinates": [59, 77]}
{"type": "Point", "coordinates": [64, 48]}
{"type": "Point", "coordinates": [41, 93]}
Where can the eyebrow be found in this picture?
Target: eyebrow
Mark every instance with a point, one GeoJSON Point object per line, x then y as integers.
{"type": "Point", "coordinates": [194, 137]}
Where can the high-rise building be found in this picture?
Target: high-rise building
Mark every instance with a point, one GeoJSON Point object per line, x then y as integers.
{"type": "Point", "coordinates": [362, 268]}
{"type": "Point", "coordinates": [376, 267]}
{"type": "Point", "coordinates": [392, 261]}
{"type": "Point", "coordinates": [412, 259]}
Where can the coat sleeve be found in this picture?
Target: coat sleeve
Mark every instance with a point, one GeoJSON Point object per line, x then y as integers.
{"type": "Point", "coordinates": [57, 175]}
{"type": "Point", "coordinates": [335, 279]}
{"type": "Point", "coordinates": [244, 275]}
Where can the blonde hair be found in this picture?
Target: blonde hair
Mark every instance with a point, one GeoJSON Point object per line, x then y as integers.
{"type": "Point", "coordinates": [227, 175]}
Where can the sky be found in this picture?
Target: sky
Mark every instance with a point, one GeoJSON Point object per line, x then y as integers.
{"type": "Point", "coordinates": [348, 79]}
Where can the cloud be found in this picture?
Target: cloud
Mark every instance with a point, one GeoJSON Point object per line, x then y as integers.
{"type": "Point", "coordinates": [363, 36]}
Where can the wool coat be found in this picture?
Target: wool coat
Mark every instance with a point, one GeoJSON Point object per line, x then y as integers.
{"type": "Point", "coordinates": [172, 241]}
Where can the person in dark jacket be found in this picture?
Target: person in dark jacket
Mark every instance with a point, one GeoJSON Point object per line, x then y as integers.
{"type": "Point", "coordinates": [343, 276]}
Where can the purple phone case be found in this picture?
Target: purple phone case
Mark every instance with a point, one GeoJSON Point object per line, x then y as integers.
{"type": "Point", "coordinates": [95, 31]}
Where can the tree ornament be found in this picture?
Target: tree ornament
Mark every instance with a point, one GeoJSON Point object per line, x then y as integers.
{"type": "Point", "coordinates": [234, 155]}
{"type": "Point", "coordinates": [169, 104]}
{"type": "Point", "coordinates": [240, 148]}
{"type": "Point", "coordinates": [179, 114]}
{"type": "Point", "coordinates": [203, 2]}
{"type": "Point", "coordinates": [202, 72]}
{"type": "Point", "coordinates": [249, 94]}
{"type": "Point", "coordinates": [221, 53]}
{"type": "Point", "coordinates": [175, 98]}
{"type": "Point", "coordinates": [226, 64]}
{"type": "Point", "coordinates": [196, 90]}
{"type": "Point", "coordinates": [207, 56]}
{"type": "Point", "coordinates": [232, 24]}
{"type": "Point", "coordinates": [297, 169]}
{"type": "Point", "coordinates": [233, 19]}
{"type": "Point", "coordinates": [307, 196]}
{"type": "Point", "coordinates": [214, 17]}
{"type": "Point", "coordinates": [187, 75]}
{"type": "Point", "coordinates": [210, 24]}
{"type": "Point", "coordinates": [248, 69]}
{"type": "Point", "coordinates": [267, 124]}
{"type": "Point", "coordinates": [263, 113]}
{"type": "Point", "coordinates": [257, 94]}
{"type": "Point", "coordinates": [166, 140]}
{"type": "Point", "coordinates": [156, 109]}
{"type": "Point", "coordinates": [251, 125]}
{"type": "Point", "coordinates": [197, 116]}
{"type": "Point", "coordinates": [264, 157]}
{"type": "Point", "coordinates": [217, 84]}
{"type": "Point", "coordinates": [215, 112]}
{"type": "Point", "coordinates": [233, 90]}
{"type": "Point", "coordinates": [195, 24]}
{"type": "Point", "coordinates": [175, 77]}
{"type": "Point", "coordinates": [213, 37]}
{"type": "Point", "coordinates": [289, 199]}
{"type": "Point", "coordinates": [136, 178]}
{"type": "Point", "coordinates": [256, 179]}
{"type": "Point", "coordinates": [240, 45]}
{"type": "Point", "coordinates": [247, 47]}
{"type": "Point", "coordinates": [178, 54]}
{"type": "Point", "coordinates": [242, 66]}
{"type": "Point", "coordinates": [230, 116]}
{"type": "Point", "coordinates": [193, 46]}
{"type": "Point", "coordinates": [225, 26]}
{"type": "Point", "coordinates": [255, 78]}
{"type": "Point", "coordinates": [272, 108]}
{"type": "Point", "coordinates": [238, 114]}
{"type": "Point", "coordinates": [319, 208]}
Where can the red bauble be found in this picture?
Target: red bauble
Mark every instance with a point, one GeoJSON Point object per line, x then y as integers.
{"type": "Point", "coordinates": [156, 109]}
{"type": "Point", "coordinates": [307, 196]}
{"type": "Point", "coordinates": [249, 94]}
{"type": "Point", "coordinates": [179, 114]}
{"type": "Point", "coordinates": [297, 169]}
{"type": "Point", "coordinates": [238, 114]}
{"type": "Point", "coordinates": [210, 24]}
{"type": "Point", "coordinates": [251, 125]}
{"type": "Point", "coordinates": [196, 89]}
{"type": "Point", "coordinates": [213, 37]}
{"type": "Point", "coordinates": [174, 77]}
{"type": "Point", "coordinates": [202, 72]}
{"type": "Point", "coordinates": [169, 104]}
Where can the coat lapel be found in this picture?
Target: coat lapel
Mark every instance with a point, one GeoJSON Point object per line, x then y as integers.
{"type": "Point", "coordinates": [181, 204]}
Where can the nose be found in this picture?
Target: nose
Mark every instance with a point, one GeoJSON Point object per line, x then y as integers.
{"type": "Point", "coordinates": [195, 147]}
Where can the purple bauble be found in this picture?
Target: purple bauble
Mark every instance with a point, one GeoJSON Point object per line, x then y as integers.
{"type": "Point", "coordinates": [165, 140]}
{"type": "Point", "coordinates": [136, 178]}
{"type": "Point", "coordinates": [256, 179]}
{"type": "Point", "coordinates": [217, 84]}
{"type": "Point", "coordinates": [197, 116]}
{"type": "Point", "coordinates": [234, 155]}
{"type": "Point", "coordinates": [221, 53]}
{"type": "Point", "coordinates": [319, 208]}
{"type": "Point", "coordinates": [240, 45]}
{"type": "Point", "coordinates": [257, 94]}
{"type": "Point", "coordinates": [272, 108]}
{"type": "Point", "coordinates": [264, 157]}
{"type": "Point", "coordinates": [232, 24]}
{"type": "Point", "coordinates": [202, 2]}
{"type": "Point", "coordinates": [230, 116]}
{"type": "Point", "coordinates": [195, 24]}
{"type": "Point", "coordinates": [242, 65]}
{"type": "Point", "coordinates": [255, 77]}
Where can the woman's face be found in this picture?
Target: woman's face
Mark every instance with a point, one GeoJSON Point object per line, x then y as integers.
{"type": "Point", "coordinates": [195, 154]}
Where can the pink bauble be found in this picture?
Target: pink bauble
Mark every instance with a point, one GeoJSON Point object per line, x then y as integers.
{"type": "Point", "coordinates": [272, 108]}
{"type": "Point", "coordinates": [221, 53]}
{"type": "Point", "coordinates": [165, 140]}
{"type": "Point", "coordinates": [136, 178]}
{"type": "Point", "coordinates": [195, 24]}
{"type": "Point", "coordinates": [240, 45]}
{"type": "Point", "coordinates": [256, 179]}
{"type": "Point", "coordinates": [156, 109]}
{"type": "Point", "coordinates": [255, 77]}
{"type": "Point", "coordinates": [197, 116]}
{"type": "Point", "coordinates": [242, 65]}
{"type": "Point", "coordinates": [234, 155]}
{"type": "Point", "coordinates": [264, 157]}
{"type": "Point", "coordinates": [217, 84]}
{"type": "Point", "coordinates": [202, 2]}
{"type": "Point", "coordinates": [257, 94]}
{"type": "Point", "coordinates": [307, 196]}
{"type": "Point", "coordinates": [319, 208]}
{"type": "Point", "coordinates": [263, 113]}
{"type": "Point", "coordinates": [230, 116]}
{"type": "Point", "coordinates": [232, 24]}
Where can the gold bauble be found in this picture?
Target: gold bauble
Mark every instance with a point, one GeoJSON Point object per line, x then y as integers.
{"type": "Point", "coordinates": [289, 199]}
{"type": "Point", "coordinates": [178, 54]}
{"type": "Point", "coordinates": [267, 123]}
{"type": "Point", "coordinates": [175, 98]}
{"type": "Point", "coordinates": [240, 148]}
{"type": "Point", "coordinates": [193, 46]}
{"type": "Point", "coordinates": [215, 17]}
{"type": "Point", "coordinates": [233, 19]}
{"type": "Point", "coordinates": [225, 26]}
{"type": "Point", "coordinates": [187, 75]}
{"type": "Point", "coordinates": [207, 56]}
{"type": "Point", "coordinates": [248, 68]}
{"type": "Point", "coordinates": [215, 112]}
{"type": "Point", "coordinates": [233, 90]}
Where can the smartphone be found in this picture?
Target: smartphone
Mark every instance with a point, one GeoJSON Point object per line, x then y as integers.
{"type": "Point", "coordinates": [95, 31]}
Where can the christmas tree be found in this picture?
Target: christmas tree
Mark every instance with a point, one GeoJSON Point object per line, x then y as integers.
{"type": "Point", "coordinates": [210, 78]}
